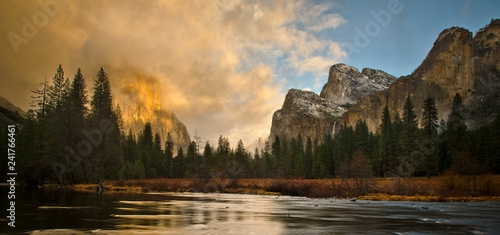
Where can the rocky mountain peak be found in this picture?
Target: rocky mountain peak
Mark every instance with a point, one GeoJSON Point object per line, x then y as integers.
{"type": "Point", "coordinates": [449, 62]}
{"type": "Point", "coordinates": [306, 113]}
{"type": "Point", "coordinates": [140, 102]}
{"type": "Point", "coordinates": [347, 85]}
{"type": "Point", "coordinates": [458, 62]}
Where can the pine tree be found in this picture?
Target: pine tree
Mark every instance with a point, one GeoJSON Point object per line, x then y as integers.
{"type": "Point", "coordinates": [429, 117]}
{"type": "Point", "coordinates": [102, 101]}
{"type": "Point", "coordinates": [361, 135]}
{"type": "Point", "coordinates": [457, 132]}
{"type": "Point", "coordinates": [56, 127]}
{"type": "Point", "coordinates": [169, 155]}
{"type": "Point", "coordinates": [76, 108]}
{"type": "Point", "coordinates": [408, 138]}
{"type": "Point", "coordinates": [207, 162]}
{"type": "Point", "coordinates": [192, 160]}
{"type": "Point", "coordinates": [429, 165]}
{"type": "Point", "coordinates": [309, 157]}
{"type": "Point", "coordinates": [145, 144]}
{"type": "Point", "coordinates": [157, 168]}
{"type": "Point", "coordinates": [40, 99]}
{"type": "Point", "coordinates": [241, 158]}
{"type": "Point", "coordinates": [57, 91]}
{"type": "Point", "coordinates": [179, 164]}
{"type": "Point", "coordinates": [257, 169]}
{"type": "Point", "coordinates": [385, 146]}
{"type": "Point", "coordinates": [277, 157]}
{"type": "Point", "coordinates": [106, 160]}
{"type": "Point", "coordinates": [396, 148]}
{"type": "Point", "coordinates": [268, 161]}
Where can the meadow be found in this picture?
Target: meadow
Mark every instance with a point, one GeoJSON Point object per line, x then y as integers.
{"type": "Point", "coordinates": [448, 187]}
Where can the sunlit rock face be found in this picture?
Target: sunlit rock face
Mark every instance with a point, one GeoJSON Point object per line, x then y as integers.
{"type": "Point", "coordinates": [306, 113]}
{"type": "Point", "coordinates": [458, 62]}
{"type": "Point", "coordinates": [347, 85]}
{"type": "Point", "coordinates": [140, 102]}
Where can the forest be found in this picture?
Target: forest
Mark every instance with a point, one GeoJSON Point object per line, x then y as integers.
{"type": "Point", "coordinates": [72, 137]}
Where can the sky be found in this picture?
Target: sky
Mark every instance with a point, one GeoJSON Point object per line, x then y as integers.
{"type": "Point", "coordinates": [223, 67]}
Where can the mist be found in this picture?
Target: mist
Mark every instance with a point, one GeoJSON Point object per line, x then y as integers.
{"type": "Point", "coordinates": [215, 61]}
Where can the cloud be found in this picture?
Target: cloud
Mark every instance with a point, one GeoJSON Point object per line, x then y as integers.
{"type": "Point", "coordinates": [329, 21]}
{"type": "Point", "coordinates": [214, 60]}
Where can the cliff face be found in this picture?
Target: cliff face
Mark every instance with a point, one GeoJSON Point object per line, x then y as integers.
{"type": "Point", "coordinates": [140, 102]}
{"type": "Point", "coordinates": [347, 85]}
{"type": "Point", "coordinates": [458, 62]}
{"type": "Point", "coordinates": [10, 114]}
{"type": "Point", "coordinates": [306, 113]}
{"type": "Point", "coordinates": [313, 116]}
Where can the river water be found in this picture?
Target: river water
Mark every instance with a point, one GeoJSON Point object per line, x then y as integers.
{"type": "Point", "coordinates": [67, 212]}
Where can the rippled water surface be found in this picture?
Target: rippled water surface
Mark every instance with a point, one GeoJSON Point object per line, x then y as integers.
{"type": "Point", "coordinates": [58, 212]}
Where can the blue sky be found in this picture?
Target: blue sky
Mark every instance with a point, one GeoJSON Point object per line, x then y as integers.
{"type": "Point", "coordinates": [403, 44]}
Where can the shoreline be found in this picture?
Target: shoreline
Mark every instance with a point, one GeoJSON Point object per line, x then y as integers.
{"type": "Point", "coordinates": [374, 189]}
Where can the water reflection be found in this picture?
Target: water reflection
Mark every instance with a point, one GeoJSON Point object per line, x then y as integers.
{"type": "Point", "coordinates": [59, 211]}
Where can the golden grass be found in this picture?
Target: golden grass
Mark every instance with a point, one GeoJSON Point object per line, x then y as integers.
{"type": "Point", "coordinates": [435, 189]}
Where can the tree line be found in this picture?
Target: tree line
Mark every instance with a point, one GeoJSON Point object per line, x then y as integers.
{"type": "Point", "coordinates": [70, 137]}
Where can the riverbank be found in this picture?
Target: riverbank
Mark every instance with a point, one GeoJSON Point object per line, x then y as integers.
{"type": "Point", "coordinates": [434, 189]}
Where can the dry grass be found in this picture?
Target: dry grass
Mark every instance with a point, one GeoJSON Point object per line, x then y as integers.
{"type": "Point", "coordinates": [435, 189]}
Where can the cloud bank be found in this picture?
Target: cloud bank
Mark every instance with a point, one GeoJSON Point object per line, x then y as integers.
{"type": "Point", "coordinates": [217, 62]}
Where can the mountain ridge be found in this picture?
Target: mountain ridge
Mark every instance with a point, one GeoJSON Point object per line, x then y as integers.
{"type": "Point", "coordinates": [458, 62]}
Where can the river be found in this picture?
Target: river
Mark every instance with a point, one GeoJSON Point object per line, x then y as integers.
{"type": "Point", "coordinates": [44, 211]}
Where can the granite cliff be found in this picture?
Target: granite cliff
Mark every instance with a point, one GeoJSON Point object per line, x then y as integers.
{"type": "Point", "coordinates": [306, 113]}
{"type": "Point", "coordinates": [140, 102]}
{"type": "Point", "coordinates": [347, 85]}
{"type": "Point", "coordinates": [314, 116]}
{"type": "Point", "coordinates": [457, 62]}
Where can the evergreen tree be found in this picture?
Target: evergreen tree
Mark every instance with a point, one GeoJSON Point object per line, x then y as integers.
{"type": "Point", "coordinates": [207, 162]}
{"type": "Point", "coordinates": [145, 144]}
{"type": "Point", "coordinates": [76, 109]}
{"type": "Point", "coordinates": [129, 147]}
{"type": "Point", "coordinates": [309, 157]}
{"type": "Point", "coordinates": [157, 168]}
{"type": "Point", "coordinates": [223, 155]}
{"type": "Point", "coordinates": [106, 160]}
{"type": "Point", "coordinates": [179, 164]}
{"type": "Point", "coordinates": [428, 146]}
{"type": "Point", "coordinates": [267, 161]}
{"type": "Point", "coordinates": [397, 150]}
{"type": "Point", "coordinates": [361, 135]}
{"type": "Point", "coordinates": [58, 91]}
{"type": "Point", "coordinates": [408, 138]}
{"type": "Point", "coordinates": [40, 100]}
{"type": "Point", "coordinates": [241, 158]}
{"type": "Point", "coordinates": [169, 155]}
{"type": "Point", "coordinates": [457, 133]}
{"type": "Point", "coordinates": [429, 117]}
{"type": "Point", "coordinates": [385, 145]}
{"type": "Point", "coordinates": [258, 167]}
{"type": "Point", "coordinates": [56, 127]}
{"type": "Point", "coordinates": [192, 160]}
{"type": "Point", "coordinates": [101, 105]}
{"type": "Point", "coordinates": [277, 157]}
